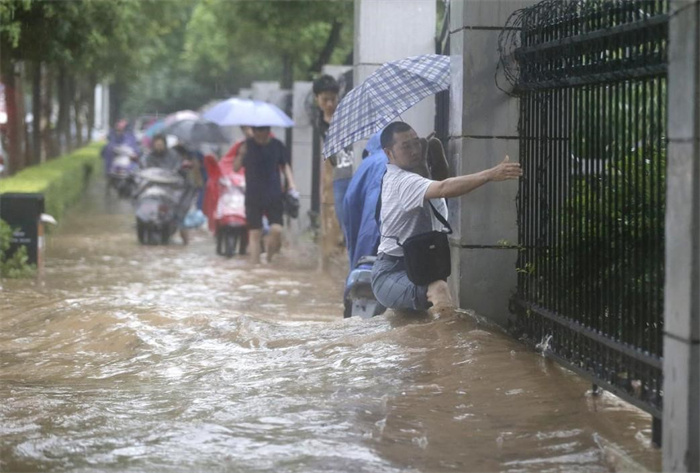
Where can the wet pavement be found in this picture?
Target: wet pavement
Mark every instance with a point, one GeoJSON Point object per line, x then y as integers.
{"type": "Point", "coordinates": [152, 359]}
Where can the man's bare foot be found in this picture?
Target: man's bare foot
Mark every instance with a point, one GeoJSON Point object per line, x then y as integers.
{"type": "Point", "coordinates": [441, 311]}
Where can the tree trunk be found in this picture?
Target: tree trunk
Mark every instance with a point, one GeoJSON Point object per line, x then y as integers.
{"type": "Point", "coordinates": [14, 163]}
{"type": "Point", "coordinates": [62, 121]}
{"type": "Point", "coordinates": [115, 102]}
{"type": "Point", "coordinates": [68, 102]}
{"type": "Point", "coordinates": [332, 41]}
{"type": "Point", "coordinates": [78, 112]}
{"type": "Point", "coordinates": [36, 114]}
{"type": "Point", "coordinates": [92, 83]}
{"type": "Point", "coordinates": [47, 134]}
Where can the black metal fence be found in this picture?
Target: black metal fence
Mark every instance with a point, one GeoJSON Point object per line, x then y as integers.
{"type": "Point", "coordinates": [591, 76]}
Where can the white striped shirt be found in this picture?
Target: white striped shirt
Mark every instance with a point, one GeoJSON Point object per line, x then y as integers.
{"type": "Point", "coordinates": [404, 210]}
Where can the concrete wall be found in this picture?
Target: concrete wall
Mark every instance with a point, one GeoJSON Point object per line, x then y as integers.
{"type": "Point", "coordinates": [483, 129]}
{"type": "Point", "coordinates": [302, 149]}
{"type": "Point", "coordinates": [388, 30]}
{"type": "Point", "coordinates": [681, 422]}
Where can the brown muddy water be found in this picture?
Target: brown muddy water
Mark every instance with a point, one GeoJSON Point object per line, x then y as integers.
{"type": "Point", "coordinates": [158, 359]}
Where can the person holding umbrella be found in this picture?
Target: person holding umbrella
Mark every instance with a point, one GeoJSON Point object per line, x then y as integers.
{"type": "Point", "coordinates": [264, 159]}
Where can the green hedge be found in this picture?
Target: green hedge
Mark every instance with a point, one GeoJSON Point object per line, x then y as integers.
{"type": "Point", "coordinates": [61, 180]}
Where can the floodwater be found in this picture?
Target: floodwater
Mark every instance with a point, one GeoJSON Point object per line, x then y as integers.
{"type": "Point", "coordinates": [154, 359]}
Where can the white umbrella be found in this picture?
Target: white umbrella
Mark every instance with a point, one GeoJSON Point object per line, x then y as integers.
{"type": "Point", "coordinates": [181, 115]}
{"type": "Point", "coordinates": [235, 111]}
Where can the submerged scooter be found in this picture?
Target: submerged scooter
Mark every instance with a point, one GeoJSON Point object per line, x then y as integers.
{"type": "Point", "coordinates": [161, 200]}
{"type": "Point", "coordinates": [362, 232]}
{"type": "Point", "coordinates": [359, 299]}
{"type": "Point", "coordinates": [121, 175]}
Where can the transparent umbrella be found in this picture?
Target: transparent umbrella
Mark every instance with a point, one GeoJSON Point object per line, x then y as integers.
{"type": "Point", "coordinates": [196, 131]}
{"type": "Point", "coordinates": [235, 111]}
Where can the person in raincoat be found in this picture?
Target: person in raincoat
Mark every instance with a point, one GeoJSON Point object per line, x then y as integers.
{"type": "Point", "coordinates": [226, 162]}
{"type": "Point", "coordinates": [222, 168]}
{"type": "Point", "coordinates": [121, 135]}
{"type": "Point", "coordinates": [161, 156]}
{"type": "Point", "coordinates": [360, 203]}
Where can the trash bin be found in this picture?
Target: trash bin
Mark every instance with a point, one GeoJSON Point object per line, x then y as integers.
{"type": "Point", "coordinates": [23, 213]}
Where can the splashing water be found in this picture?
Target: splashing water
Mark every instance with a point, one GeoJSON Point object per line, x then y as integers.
{"type": "Point", "coordinates": [155, 359]}
{"type": "Point", "coordinates": [543, 346]}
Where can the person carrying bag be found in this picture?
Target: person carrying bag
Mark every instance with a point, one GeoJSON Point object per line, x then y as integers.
{"type": "Point", "coordinates": [413, 261]}
{"type": "Point", "coordinates": [426, 255]}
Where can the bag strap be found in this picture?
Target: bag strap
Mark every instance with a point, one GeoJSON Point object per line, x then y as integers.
{"type": "Point", "coordinates": [378, 207]}
{"type": "Point", "coordinates": [378, 210]}
{"type": "Point", "coordinates": [442, 219]}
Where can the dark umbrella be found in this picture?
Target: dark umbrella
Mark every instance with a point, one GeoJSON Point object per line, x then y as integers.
{"type": "Point", "coordinates": [196, 131]}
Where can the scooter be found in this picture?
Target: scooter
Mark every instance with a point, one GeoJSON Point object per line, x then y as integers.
{"type": "Point", "coordinates": [359, 299]}
{"type": "Point", "coordinates": [160, 199]}
{"type": "Point", "coordinates": [122, 172]}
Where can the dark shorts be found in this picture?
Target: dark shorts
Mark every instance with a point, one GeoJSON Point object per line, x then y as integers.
{"type": "Point", "coordinates": [393, 289]}
{"type": "Point", "coordinates": [254, 213]}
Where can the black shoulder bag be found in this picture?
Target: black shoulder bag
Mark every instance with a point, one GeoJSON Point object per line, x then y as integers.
{"type": "Point", "coordinates": [426, 255]}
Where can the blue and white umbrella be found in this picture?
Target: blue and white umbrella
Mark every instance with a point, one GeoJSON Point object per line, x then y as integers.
{"type": "Point", "coordinates": [384, 95]}
{"type": "Point", "coordinates": [235, 111]}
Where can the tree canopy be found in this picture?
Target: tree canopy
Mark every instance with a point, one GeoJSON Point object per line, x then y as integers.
{"type": "Point", "coordinates": [158, 55]}
{"type": "Point", "coordinates": [224, 45]}
{"type": "Point", "coordinates": [173, 53]}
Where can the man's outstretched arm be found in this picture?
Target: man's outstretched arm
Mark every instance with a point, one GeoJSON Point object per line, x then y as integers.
{"type": "Point", "coordinates": [461, 185]}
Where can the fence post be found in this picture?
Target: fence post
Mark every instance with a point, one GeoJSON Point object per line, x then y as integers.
{"type": "Point", "coordinates": [681, 435]}
{"type": "Point", "coordinates": [483, 128]}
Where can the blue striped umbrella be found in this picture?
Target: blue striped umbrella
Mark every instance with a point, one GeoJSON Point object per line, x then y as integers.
{"type": "Point", "coordinates": [384, 95]}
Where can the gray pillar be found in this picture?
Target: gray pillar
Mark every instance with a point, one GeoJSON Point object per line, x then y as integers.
{"type": "Point", "coordinates": [301, 149]}
{"type": "Point", "coordinates": [681, 422]}
{"type": "Point", "coordinates": [483, 129]}
{"type": "Point", "coordinates": [387, 30]}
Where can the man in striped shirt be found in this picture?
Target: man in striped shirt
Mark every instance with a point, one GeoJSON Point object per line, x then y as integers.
{"type": "Point", "coordinates": [405, 212]}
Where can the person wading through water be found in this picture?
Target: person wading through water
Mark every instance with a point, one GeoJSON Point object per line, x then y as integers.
{"type": "Point", "coordinates": [405, 212]}
{"type": "Point", "coordinates": [264, 158]}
